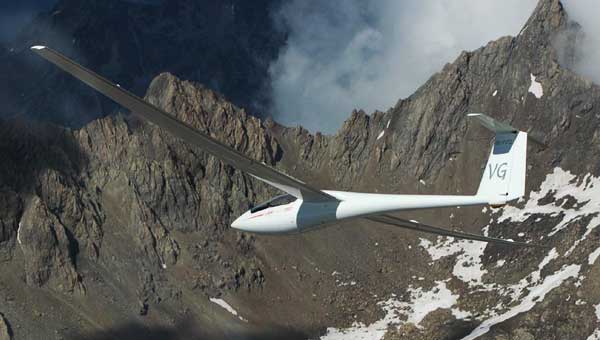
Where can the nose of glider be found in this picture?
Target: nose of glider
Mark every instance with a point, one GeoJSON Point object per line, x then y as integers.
{"type": "Point", "coordinates": [239, 223]}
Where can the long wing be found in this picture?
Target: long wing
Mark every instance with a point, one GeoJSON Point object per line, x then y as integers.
{"type": "Point", "coordinates": [184, 131]}
{"type": "Point", "coordinates": [413, 225]}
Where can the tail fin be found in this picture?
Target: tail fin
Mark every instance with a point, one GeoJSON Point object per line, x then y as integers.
{"type": "Point", "coordinates": [504, 175]}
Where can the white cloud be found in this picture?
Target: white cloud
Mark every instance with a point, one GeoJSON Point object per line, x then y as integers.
{"type": "Point", "coordinates": [346, 54]}
{"type": "Point", "coordinates": [585, 13]}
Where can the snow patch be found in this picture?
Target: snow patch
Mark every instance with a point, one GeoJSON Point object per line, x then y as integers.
{"type": "Point", "coordinates": [424, 302]}
{"type": "Point", "coordinates": [536, 88]}
{"type": "Point", "coordinates": [388, 124]}
{"type": "Point", "coordinates": [468, 267]}
{"type": "Point", "coordinates": [420, 304]}
{"type": "Point", "coordinates": [500, 263]}
{"type": "Point", "coordinates": [536, 294]}
{"type": "Point", "coordinates": [495, 93]}
{"type": "Point", "coordinates": [595, 335]}
{"type": "Point", "coordinates": [593, 256]}
{"type": "Point", "coordinates": [381, 135]}
{"type": "Point", "coordinates": [422, 182]}
{"type": "Point", "coordinates": [562, 185]}
{"type": "Point", "coordinates": [19, 233]}
{"type": "Point", "coordinates": [227, 307]}
{"type": "Point", "coordinates": [535, 276]}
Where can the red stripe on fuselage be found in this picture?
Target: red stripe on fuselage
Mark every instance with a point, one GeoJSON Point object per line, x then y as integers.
{"type": "Point", "coordinates": [263, 214]}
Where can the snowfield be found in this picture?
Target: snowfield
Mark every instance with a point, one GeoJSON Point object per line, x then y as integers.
{"type": "Point", "coordinates": [582, 192]}
{"type": "Point", "coordinates": [420, 304]}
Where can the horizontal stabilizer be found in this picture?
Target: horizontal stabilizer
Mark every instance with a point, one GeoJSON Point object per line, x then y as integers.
{"type": "Point", "coordinates": [492, 124]}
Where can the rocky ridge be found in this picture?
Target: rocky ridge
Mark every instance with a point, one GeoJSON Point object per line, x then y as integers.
{"type": "Point", "coordinates": [120, 217]}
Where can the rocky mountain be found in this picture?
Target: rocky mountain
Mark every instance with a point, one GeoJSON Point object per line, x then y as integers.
{"type": "Point", "coordinates": [227, 45]}
{"type": "Point", "coordinates": [118, 230]}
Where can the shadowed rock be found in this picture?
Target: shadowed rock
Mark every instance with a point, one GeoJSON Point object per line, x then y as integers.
{"type": "Point", "coordinates": [5, 331]}
{"type": "Point", "coordinates": [47, 250]}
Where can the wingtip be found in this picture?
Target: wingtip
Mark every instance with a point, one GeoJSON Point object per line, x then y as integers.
{"type": "Point", "coordinates": [38, 47]}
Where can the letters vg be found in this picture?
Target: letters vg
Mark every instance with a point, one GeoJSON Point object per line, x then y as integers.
{"type": "Point", "coordinates": [498, 170]}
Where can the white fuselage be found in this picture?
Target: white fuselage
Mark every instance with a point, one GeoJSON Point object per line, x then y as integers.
{"type": "Point", "coordinates": [300, 216]}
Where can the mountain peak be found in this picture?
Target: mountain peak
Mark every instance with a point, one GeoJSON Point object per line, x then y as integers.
{"type": "Point", "coordinates": [549, 15]}
{"type": "Point", "coordinates": [537, 37]}
{"type": "Point", "coordinates": [169, 92]}
{"type": "Point", "coordinates": [547, 19]}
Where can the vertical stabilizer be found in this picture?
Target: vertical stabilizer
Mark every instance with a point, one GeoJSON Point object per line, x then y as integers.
{"type": "Point", "coordinates": [503, 178]}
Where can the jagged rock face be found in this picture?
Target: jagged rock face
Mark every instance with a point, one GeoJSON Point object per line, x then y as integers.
{"type": "Point", "coordinates": [142, 218]}
{"type": "Point", "coordinates": [11, 209]}
{"type": "Point", "coordinates": [47, 250]}
{"type": "Point", "coordinates": [5, 333]}
{"type": "Point", "coordinates": [157, 185]}
{"type": "Point", "coordinates": [227, 45]}
{"type": "Point", "coordinates": [113, 199]}
{"type": "Point", "coordinates": [426, 130]}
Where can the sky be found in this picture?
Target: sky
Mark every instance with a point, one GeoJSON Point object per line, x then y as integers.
{"type": "Point", "coordinates": [355, 54]}
{"type": "Point", "coordinates": [14, 14]}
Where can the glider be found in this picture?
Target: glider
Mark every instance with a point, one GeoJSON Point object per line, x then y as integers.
{"type": "Point", "coordinates": [304, 207]}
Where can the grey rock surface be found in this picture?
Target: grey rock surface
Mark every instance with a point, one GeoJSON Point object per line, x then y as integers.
{"type": "Point", "coordinates": [5, 332]}
{"type": "Point", "coordinates": [47, 250]}
{"type": "Point", "coordinates": [124, 229]}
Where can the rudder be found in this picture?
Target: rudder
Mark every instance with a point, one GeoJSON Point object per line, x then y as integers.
{"type": "Point", "coordinates": [504, 175]}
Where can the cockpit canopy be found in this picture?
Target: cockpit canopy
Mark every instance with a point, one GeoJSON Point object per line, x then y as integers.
{"type": "Point", "coordinates": [274, 202]}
